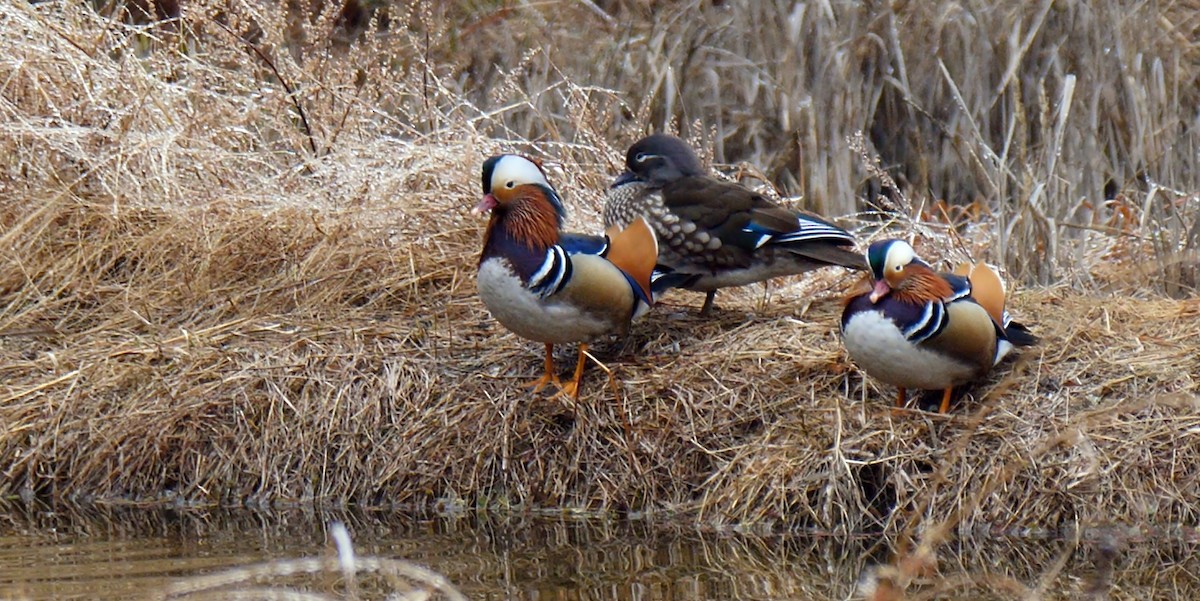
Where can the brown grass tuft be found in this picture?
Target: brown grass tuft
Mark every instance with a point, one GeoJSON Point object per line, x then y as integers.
{"type": "Point", "coordinates": [196, 307]}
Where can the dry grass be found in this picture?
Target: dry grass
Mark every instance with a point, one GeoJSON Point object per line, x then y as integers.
{"type": "Point", "coordinates": [1065, 120]}
{"type": "Point", "coordinates": [197, 308]}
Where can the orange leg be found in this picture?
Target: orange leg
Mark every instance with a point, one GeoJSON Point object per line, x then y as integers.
{"type": "Point", "coordinates": [549, 377]}
{"type": "Point", "coordinates": [945, 401]}
{"type": "Point", "coordinates": [571, 388]}
{"type": "Point", "coordinates": [901, 399]}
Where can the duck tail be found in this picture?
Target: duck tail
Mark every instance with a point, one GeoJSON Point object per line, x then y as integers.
{"type": "Point", "coordinates": [664, 278]}
{"type": "Point", "coordinates": [1017, 333]}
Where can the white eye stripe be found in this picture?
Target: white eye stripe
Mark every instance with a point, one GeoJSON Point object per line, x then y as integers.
{"type": "Point", "coordinates": [512, 171]}
{"type": "Point", "coordinates": [899, 255]}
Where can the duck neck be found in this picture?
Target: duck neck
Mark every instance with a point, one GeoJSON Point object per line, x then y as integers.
{"type": "Point", "coordinates": [522, 233]}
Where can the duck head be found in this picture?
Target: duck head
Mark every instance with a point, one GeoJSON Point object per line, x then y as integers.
{"type": "Point", "coordinates": [895, 267]}
{"type": "Point", "coordinates": [660, 159]}
{"type": "Point", "coordinates": [510, 179]}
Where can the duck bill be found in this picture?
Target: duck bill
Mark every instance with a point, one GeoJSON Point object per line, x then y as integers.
{"type": "Point", "coordinates": [625, 177]}
{"type": "Point", "coordinates": [486, 204]}
{"type": "Point", "coordinates": [879, 291]}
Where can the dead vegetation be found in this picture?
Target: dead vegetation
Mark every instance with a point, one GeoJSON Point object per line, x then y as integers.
{"type": "Point", "coordinates": [205, 299]}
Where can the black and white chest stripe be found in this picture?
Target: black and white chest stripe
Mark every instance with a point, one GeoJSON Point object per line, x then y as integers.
{"type": "Point", "coordinates": [933, 319]}
{"type": "Point", "coordinates": [553, 274]}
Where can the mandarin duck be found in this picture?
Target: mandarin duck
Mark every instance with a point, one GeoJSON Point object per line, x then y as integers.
{"type": "Point", "coordinates": [551, 287]}
{"type": "Point", "coordinates": [914, 327]}
{"type": "Point", "coordinates": [719, 232]}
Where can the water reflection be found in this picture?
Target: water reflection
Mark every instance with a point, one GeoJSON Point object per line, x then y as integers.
{"type": "Point", "coordinates": [112, 553]}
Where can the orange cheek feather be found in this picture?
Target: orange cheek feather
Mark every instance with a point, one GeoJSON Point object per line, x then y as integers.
{"type": "Point", "coordinates": [920, 284]}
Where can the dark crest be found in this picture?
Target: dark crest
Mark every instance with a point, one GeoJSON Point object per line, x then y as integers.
{"type": "Point", "coordinates": [663, 158]}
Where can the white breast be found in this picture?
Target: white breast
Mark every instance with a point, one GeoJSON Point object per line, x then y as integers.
{"type": "Point", "coordinates": [527, 315]}
{"type": "Point", "coordinates": [881, 350]}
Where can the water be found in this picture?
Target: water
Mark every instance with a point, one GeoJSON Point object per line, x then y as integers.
{"type": "Point", "coordinates": [140, 553]}
{"type": "Point", "coordinates": [155, 554]}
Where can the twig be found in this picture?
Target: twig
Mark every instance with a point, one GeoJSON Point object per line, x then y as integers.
{"type": "Point", "coordinates": [312, 143]}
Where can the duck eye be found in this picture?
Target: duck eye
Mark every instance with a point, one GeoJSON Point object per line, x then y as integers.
{"type": "Point", "coordinates": [641, 157]}
{"type": "Point", "coordinates": [510, 185]}
{"type": "Point", "coordinates": [898, 267]}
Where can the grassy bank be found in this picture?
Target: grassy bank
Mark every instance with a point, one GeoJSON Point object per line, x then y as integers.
{"type": "Point", "coordinates": [206, 298]}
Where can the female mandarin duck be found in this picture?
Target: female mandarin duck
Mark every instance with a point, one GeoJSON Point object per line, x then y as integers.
{"type": "Point", "coordinates": [917, 328]}
{"type": "Point", "coordinates": [551, 287]}
{"type": "Point", "coordinates": [720, 232]}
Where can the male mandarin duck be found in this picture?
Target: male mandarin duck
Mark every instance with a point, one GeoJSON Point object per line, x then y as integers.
{"type": "Point", "coordinates": [720, 232]}
{"type": "Point", "coordinates": [551, 287]}
{"type": "Point", "coordinates": [913, 327]}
